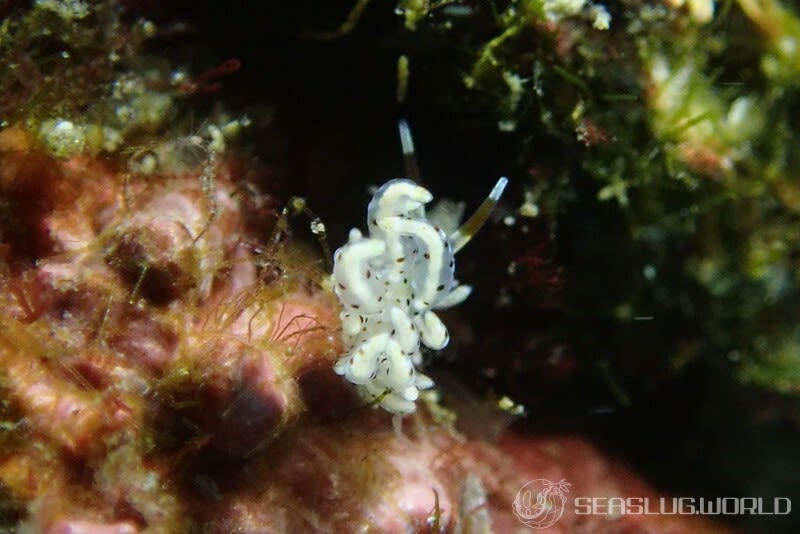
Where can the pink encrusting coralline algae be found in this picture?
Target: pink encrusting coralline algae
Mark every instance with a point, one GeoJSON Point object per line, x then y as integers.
{"type": "Point", "coordinates": [168, 366]}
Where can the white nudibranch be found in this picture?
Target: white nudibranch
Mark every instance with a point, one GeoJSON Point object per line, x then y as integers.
{"type": "Point", "coordinates": [389, 283]}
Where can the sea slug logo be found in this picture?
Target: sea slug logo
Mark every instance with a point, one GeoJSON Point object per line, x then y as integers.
{"type": "Point", "coordinates": [540, 502]}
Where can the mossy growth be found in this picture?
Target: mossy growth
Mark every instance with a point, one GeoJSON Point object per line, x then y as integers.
{"type": "Point", "coordinates": [73, 76]}
{"type": "Point", "coordinates": [677, 132]}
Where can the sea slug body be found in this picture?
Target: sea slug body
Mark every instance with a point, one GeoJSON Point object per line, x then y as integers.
{"type": "Point", "coordinates": [389, 284]}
